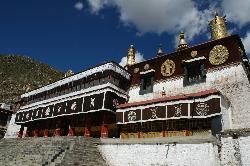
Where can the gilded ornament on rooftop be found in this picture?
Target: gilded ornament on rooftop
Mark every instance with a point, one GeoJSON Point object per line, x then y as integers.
{"type": "Point", "coordinates": [136, 70]}
{"type": "Point", "coordinates": [182, 42]}
{"type": "Point", "coordinates": [168, 68]}
{"type": "Point", "coordinates": [27, 87]}
{"type": "Point", "coordinates": [160, 51]}
{"type": "Point", "coordinates": [218, 27]}
{"type": "Point", "coordinates": [131, 56]}
{"type": "Point", "coordinates": [218, 55]}
{"type": "Point", "coordinates": [193, 54]}
{"type": "Point", "coordinates": [146, 67]}
{"type": "Point", "coordinates": [69, 73]}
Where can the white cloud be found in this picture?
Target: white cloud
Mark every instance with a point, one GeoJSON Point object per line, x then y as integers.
{"type": "Point", "coordinates": [158, 16]}
{"type": "Point", "coordinates": [97, 5]}
{"type": "Point", "coordinates": [237, 11]}
{"type": "Point", "coordinates": [138, 58]}
{"type": "Point", "coordinates": [246, 42]}
{"type": "Point", "coordinates": [78, 6]}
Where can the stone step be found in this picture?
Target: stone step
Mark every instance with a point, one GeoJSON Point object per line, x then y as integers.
{"type": "Point", "coordinates": [51, 151]}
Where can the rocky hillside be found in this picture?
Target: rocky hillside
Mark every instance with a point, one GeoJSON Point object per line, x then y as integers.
{"type": "Point", "coordinates": [19, 74]}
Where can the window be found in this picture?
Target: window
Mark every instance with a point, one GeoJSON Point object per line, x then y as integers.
{"type": "Point", "coordinates": [146, 85]}
{"type": "Point", "coordinates": [194, 72]}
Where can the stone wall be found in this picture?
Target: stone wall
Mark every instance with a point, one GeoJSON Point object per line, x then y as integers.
{"type": "Point", "coordinates": [235, 151]}
{"type": "Point", "coordinates": [161, 155]}
{"type": "Point", "coordinates": [227, 152]}
{"type": "Point", "coordinates": [231, 81]}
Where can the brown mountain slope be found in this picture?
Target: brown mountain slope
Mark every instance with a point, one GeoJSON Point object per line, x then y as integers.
{"type": "Point", "coordinates": [19, 72]}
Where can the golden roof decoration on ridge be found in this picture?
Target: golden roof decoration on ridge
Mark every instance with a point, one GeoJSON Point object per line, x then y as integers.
{"type": "Point", "coordinates": [218, 27]}
{"type": "Point", "coordinates": [131, 56]}
{"type": "Point", "coordinates": [182, 42]}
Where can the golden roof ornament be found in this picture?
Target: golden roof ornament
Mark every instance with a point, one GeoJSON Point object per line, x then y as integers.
{"type": "Point", "coordinates": [69, 73]}
{"type": "Point", "coordinates": [218, 27]}
{"type": "Point", "coordinates": [160, 51]}
{"type": "Point", "coordinates": [182, 42]}
{"type": "Point", "coordinates": [131, 56]}
{"type": "Point", "coordinates": [27, 87]}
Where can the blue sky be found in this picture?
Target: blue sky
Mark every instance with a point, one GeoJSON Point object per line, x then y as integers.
{"type": "Point", "coordinates": [73, 34]}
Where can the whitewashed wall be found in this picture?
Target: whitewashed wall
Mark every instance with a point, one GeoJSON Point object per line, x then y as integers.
{"type": "Point", "coordinates": [229, 152]}
{"type": "Point", "coordinates": [161, 155]}
{"type": "Point", "coordinates": [231, 81]}
{"type": "Point", "coordinates": [13, 129]}
{"type": "Point", "coordinates": [235, 151]}
{"type": "Point", "coordinates": [244, 146]}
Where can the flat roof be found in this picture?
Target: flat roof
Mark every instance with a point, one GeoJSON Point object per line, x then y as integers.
{"type": "Point", "coordinates": [100, 68]}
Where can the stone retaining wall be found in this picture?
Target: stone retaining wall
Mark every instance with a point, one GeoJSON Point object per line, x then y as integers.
{"type": "Point", "coordinates": [227, 152]}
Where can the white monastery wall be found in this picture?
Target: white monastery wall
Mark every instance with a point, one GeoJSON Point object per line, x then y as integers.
{"type": "Point", "coordinates": [13, 129]}
{"type": "Point", "coordinates": [161, 155]}
{"type": "Point", "coordinates": [229, 152]}
{"type": "Point", "coordinates": [231, 81]}
{"type": "Point", "coordinates": [235, 151]}
{"type": "Point", "coordinates": [244, 146]}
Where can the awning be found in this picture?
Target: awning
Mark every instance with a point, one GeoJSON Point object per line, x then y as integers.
{"type": "Point", "coordinates": [105, 101]}
{"type": "Point", "coordinates": [203, 104]}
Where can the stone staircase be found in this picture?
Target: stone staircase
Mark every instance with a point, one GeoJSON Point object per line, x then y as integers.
{"type": "Point", "coordinates": [54, 151]}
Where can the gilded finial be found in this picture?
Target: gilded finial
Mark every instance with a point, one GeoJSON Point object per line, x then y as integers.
{"type": "Point", "coordinates": [182, 41]}
{"type": "Point", "coordinates": [218, 27]}
{"type": "Point", "coordinates": [160, 51]}
{"type": "Point", "coordinates": [131, 56]}
{"type": "Point", "coordinates": [69, 73]}
{"type": "Point", "coordinates": [27, 87]}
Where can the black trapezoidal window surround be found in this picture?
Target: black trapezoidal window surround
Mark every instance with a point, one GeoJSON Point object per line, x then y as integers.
{"type": "Point", "coordinates": [194, 72]}
{"type": "Point", "coordinates": [146, 83]}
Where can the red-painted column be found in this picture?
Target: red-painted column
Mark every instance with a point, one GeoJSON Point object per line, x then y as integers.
{"type": "Point", "coordinates": [35, 133]}
{"type": "Point", "coordinates": [104, 131]}
{"type": "Point", "coordinates": [27, 134]}
{"type": "Point", "coordinates": [20, 134]}
{"type": "Point", "coordinates": [86, 129]}
{"type": "Point", "coordinates": [104, 128]}
{"type": "Point", "coordinates": [71, 131]}
{"type": "Point", "coordinates": [164, 133]}
{"type": "Point", "coordinates": [46, 133]}
{"type": "Point", "coordinates": [86, 132]}
{"type": "Point", "coordinates": [139, 134]}
{"type": "Point", "coordinates": [58, 132]}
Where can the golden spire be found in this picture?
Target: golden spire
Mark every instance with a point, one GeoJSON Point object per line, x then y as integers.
{"type": "Point", "coordinates": [69, 73]}
{"type": "Point", "coordinates": [182, 41]}
{"type": "Point", "coordinates": [218, 27]}
{"type": "Point", "coordinates": [160, 51]}
{"type": "Point", "coordinates": [131, 56]}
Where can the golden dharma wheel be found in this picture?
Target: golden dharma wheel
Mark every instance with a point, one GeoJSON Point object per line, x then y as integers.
{"type": "Point", "coordinates": [168, 68]}
{"type": "Point", "coordinates": [136, 70]}
{"type": "Point", "coordinates": [218, 55]}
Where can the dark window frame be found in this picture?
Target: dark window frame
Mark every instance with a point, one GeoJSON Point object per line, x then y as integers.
{"type": "Point", "coordinates": [146, 83]}
{"type": "Point", "coordinates": [194, 72]}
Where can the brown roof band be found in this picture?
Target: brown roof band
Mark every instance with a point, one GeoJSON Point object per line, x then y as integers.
{"type": "Point", "coordinates": [169, 98]}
